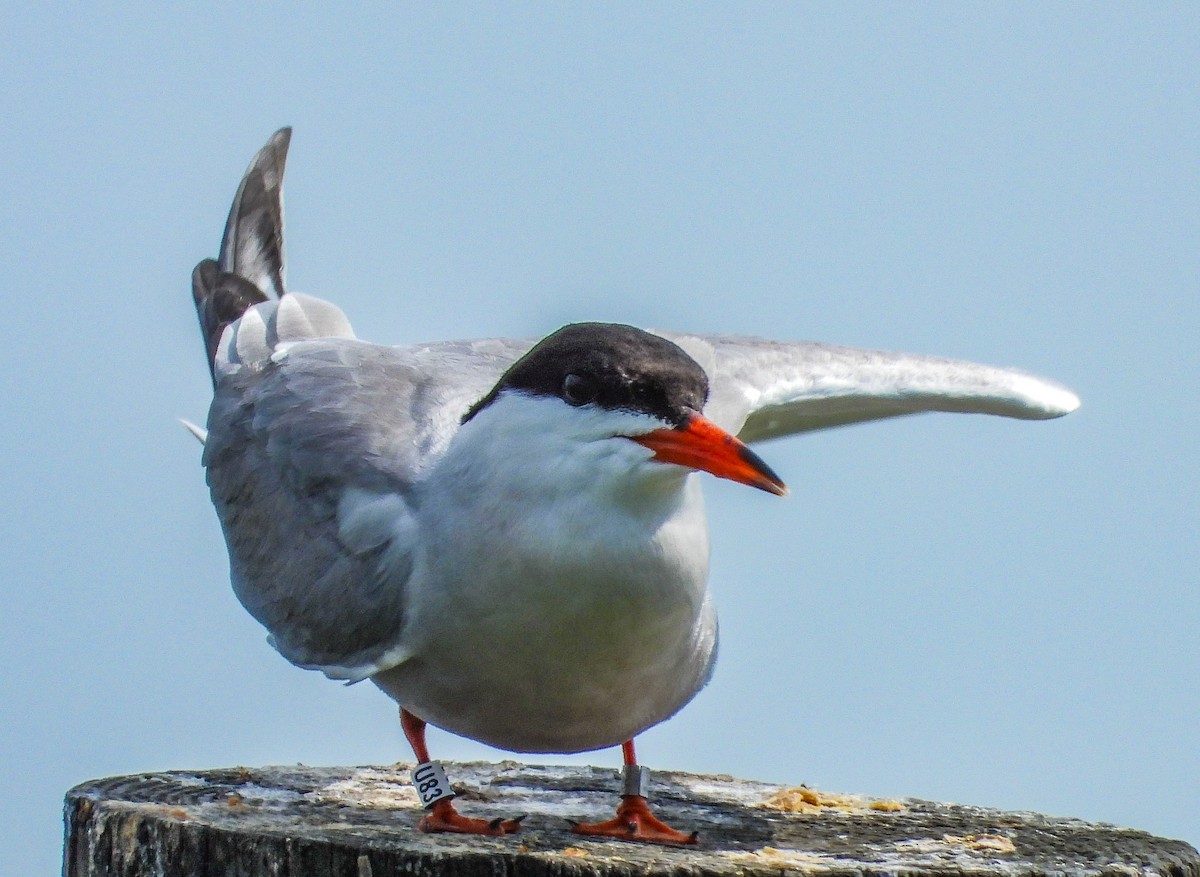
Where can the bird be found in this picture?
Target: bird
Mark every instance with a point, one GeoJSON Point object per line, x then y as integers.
{"type": "Point", "coordinates": [507, 537]}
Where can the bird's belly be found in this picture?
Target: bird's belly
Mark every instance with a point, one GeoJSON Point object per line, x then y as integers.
{"type": "Point", "coordinates": [565, 660]}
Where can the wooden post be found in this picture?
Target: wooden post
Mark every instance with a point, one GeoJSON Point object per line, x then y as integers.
{"type": "Point", "coordinates": [361, 822]}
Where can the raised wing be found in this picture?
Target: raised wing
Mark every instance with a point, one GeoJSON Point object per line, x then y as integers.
{"type": "Point", "coordinates": [252, 245]}
{"type": "Point", "coordinates": [767, 389]}
{"type": "Point", "coordinates": [316, 440]}
{"type": "Point", "coordinates": [250, 268]}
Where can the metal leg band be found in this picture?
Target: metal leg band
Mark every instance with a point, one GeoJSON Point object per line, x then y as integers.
{"type": "Point", "coordinates": [635, 780]}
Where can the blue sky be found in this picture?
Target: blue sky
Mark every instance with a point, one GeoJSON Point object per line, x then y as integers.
{"type": "Point", "coordinates": [961, 608]}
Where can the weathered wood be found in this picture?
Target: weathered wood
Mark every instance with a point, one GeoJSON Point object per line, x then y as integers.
{"type": "Point", "coordinates": [361, 822]}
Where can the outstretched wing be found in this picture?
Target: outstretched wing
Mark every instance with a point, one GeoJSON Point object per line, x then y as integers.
{"type": "Point", "coordinates": [766, 389]}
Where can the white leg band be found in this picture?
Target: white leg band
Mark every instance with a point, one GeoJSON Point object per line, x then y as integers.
{"type": "Point", "coordinates": [635, 780]}
{"type": "Point", "coordinates": [429, 779]}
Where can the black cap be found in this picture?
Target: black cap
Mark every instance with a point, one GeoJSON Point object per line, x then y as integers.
{"type": "Point", "coordinates": [610, 365]}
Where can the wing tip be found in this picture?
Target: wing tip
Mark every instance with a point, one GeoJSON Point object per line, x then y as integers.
{"type": "Point", "coordinates": [252, 243]}
{"type": "Point", "coordinates": [1048, 399]}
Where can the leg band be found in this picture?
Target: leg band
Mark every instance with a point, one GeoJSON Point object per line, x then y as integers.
{"type": "Point", "coordinates": [429, 779]}
{"type": "Point", "coordinates": [635, 780]}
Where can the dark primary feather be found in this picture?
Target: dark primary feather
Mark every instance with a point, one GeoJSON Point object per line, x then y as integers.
{"type": "Point", "coordinates": [251, 261]}
{"type": "Point", "coordinates": [252, 245]}
{"type": "Point", "coordinates": [220, 299]}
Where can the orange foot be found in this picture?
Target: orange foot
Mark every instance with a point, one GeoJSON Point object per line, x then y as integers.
{"type": "Point", "coordinates": [634, 821]}
{"type": "Point", "coordinates": [443, 817]}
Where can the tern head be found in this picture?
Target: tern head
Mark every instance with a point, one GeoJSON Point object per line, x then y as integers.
{"type": "Point", "coordinates": [607, 381]}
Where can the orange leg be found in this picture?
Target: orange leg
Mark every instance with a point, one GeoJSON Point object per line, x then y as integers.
{"type": "Point", "coordinates": [634, 820]}
{"type": "Point", "coordinates": [442, 816]}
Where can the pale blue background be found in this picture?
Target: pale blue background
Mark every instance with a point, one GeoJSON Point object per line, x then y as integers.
{"type": "Point", "coordinates": [970, 609]}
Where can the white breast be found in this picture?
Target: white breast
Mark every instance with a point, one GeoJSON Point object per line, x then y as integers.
{"type": "Point", "coordinates": [559, 600]}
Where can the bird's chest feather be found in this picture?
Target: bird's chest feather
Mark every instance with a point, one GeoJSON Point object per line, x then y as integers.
{"type": "Point", "coordinates": [607, 634]}
{"type": "Point", "coordinates": [565, 581]}
{"type": "Point", "coordinates": [557, 600]}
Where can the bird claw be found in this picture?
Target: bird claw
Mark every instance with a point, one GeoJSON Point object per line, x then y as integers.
{"type": "Point", "coordinates": [444, 818]}
{"type": "Point", "coordinates": [507, 826]}
{"type": "Point", "coordinates": [635, 822]}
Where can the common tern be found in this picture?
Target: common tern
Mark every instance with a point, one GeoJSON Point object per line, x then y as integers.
{"type": "Point", "coordinates": [507, 537]}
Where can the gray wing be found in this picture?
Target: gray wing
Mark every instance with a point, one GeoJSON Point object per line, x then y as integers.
{"type": "Point", "coordinates": [312, 455]}
{"type": "Point", "coordinates": [315, 441]}
{"type": "Point", "coordinates": [764, 389]}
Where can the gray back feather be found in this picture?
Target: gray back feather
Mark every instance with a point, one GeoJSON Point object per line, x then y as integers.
{"type": "Point", "coordinates": [289, 441]}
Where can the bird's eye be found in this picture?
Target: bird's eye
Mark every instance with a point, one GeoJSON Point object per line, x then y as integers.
{"type": "Point", "coordinates": [579, 389]}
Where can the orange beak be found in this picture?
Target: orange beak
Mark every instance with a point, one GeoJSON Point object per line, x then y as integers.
{"type": "Point", "coordinates": [701, 444]}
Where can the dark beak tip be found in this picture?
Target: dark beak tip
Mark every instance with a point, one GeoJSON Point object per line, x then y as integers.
{"type": "Point", "coordinates": [775, 486]}
{"type": "Point", "coordinates": [771, 482]}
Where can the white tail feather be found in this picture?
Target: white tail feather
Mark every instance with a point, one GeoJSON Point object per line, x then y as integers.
{"type": "Point", "coordinates": [250, 341]}
{"type": "Point", "coordinates": [301, 316]}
